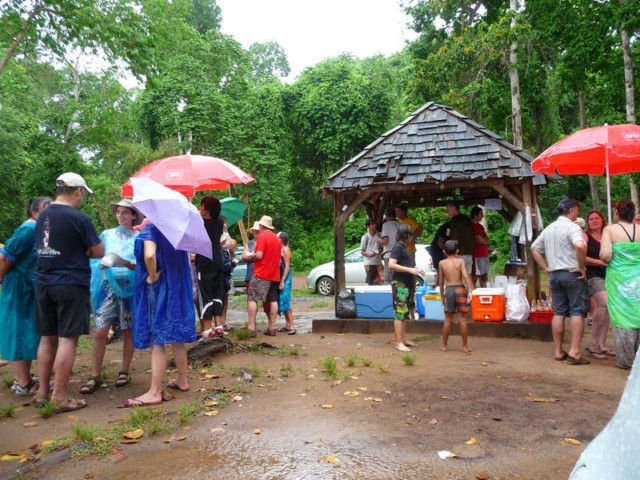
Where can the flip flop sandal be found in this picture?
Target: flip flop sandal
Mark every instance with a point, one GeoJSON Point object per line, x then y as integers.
{"type": "Point", "coordinates": [608, 352]}
{"type": "Point", "coordinates": [174, 386]}
{"type": "Point", "coordinates": [91, 385]}
{"type": "Point", "coordinates": [285, 330]}
{"type": "Point", "coordinates": [70, 405]}
{"type": "Point", "coordinates": [563, 357]}
{"type": "Point", "coordinates": [135, 402]}
{"type": "Point", "coordinates": [39, 400]}
{"type": "Point", "coordinates": [594, 354]}
{"type": "Point", "coordinates": [270, 333]}
{"type": "Point", "coordinates": [123, 379]}
{"type": "Point", "coordinates": [578, 361]}
{"type": "Point", "coordinates": [292, 331]}
{"type": "Point", "coordinates": [29, 389]}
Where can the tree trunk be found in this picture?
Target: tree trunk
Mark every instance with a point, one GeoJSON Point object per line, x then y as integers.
{"type": "Point", "coordinates": [516, 113]}
{"type": "Point", "coordinates": [593, 184]}
{"type": "Point", "coordinates": [11, 50]}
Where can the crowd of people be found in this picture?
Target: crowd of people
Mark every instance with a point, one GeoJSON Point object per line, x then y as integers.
{"type": "Point", "coordinates": [56, 270]}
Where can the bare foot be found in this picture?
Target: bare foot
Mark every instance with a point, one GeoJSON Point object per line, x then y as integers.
{"type": "Point", "coordinates": [149, 399]}
{"type": "Point", "coordinates": [409, 343]}
{"type": "Point", "coordinates": [402, 347]}
{"type": "Point", "coordinates": [466, 349]}
{"type": "Point", "coordinates": [443, 348]}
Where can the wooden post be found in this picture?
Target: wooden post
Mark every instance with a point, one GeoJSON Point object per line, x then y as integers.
{"type": "Point", "coordinates": [338, 247]}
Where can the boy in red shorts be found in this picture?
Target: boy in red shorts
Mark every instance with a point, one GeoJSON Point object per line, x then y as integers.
{"type": "Point", "coordinates": [453, 273]}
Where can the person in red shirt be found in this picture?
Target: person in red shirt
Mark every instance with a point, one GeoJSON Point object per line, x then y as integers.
{"type": "Point", "coordinates": [481, 265]}
{"type": "Point", "coordinates": [264, 285]}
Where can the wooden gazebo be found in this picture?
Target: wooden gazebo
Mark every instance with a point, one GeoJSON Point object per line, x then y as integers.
{"type": "Point", "coordinates": [435, 155]}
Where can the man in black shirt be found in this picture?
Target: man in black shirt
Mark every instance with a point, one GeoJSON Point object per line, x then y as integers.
{"type": "Point", "coordinates": [65, 240]}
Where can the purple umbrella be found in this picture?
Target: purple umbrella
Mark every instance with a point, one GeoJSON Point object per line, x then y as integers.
{"type": "Point", "coordinates": [175, 216]}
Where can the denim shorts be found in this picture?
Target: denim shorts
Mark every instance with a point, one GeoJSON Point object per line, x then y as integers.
{"type": "Point", "coordinates": [569, 293]}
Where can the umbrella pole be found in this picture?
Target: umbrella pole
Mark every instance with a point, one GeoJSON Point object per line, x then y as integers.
{"type": "Point", "coordinates": [608, 177]}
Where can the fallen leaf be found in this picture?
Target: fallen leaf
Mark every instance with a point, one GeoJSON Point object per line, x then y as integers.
{"type": "Point", "coordinates": [482, 475]}
{"type": "Point", "coordinates": [71, 417]}
{"type": "Point", "coordinates": [115, 451]}
{"type": "Point", "coordinates": [444, 454]}
{"type": "Point", "coordinates": [12, 457]}
{"type": "Point", "coordinates": [237, 398]}
{"type": "Point", "coordinates": [327, 406]}
{"type": "Point", "coordinates": [30, 424]}
{"type": "Point", "coordinates": [444, 397]}
{"type": "Point", "coordinates": [302, 394]}
{"type": "Point", "coordinates": [203, 371]}
{"type": "Point", "coordinates": [387, 391]}
{"type": "Point", "coordinates": [484, 364]}
{"type": "Point", "coordinates": [181, 438]}
{"type": "Point", "coordinates": [433, 421]}
{"type": "Point", "coordinates": [133, 434]}
{"type": "Point", "coordinates": [129, 441]}
{"type": "Point", "coordinates": [333, 460]}
{"type": "Point", "coordinates": [217, 430]}
{"type": "Point", "coordinates": [377, 399]}
{"type": "Point", "coordinates": [351, 393]}
{"type": "Point", "coordinates": [541, 399]}
{"type": "Point", "coordinates": [211, 413]}
{"type": "Point", "coordinates": [168, 440]}
{"type": "Point", "coordinates": [353, 377]}
{"type": "Point", "coordinates": [202, 389]}
{"type": "Point", "coordinates": [211, 403]}
{"type": "Point", "coordinates": [573, 441]}
{"type": "Point", "coordinates": [362, 389]}
{"type": "Point", "coordinates": [311, 375]}
{"type": "Point", "coordinates": [100, 439]}
{"type": "Point", "coordinates": [210, 376]}
{"type": "Point", "coordinates": [257, 431]}
{"type": "Point", "coordinates": [47, 442]}
{"type": "Point", "coordinates": [471, 441]}
{"type": "Point", "coordinates": [337, 382]}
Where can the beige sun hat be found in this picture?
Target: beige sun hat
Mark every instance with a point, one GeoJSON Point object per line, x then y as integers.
{"type": "Point", "coordinates": [255, 226]}
{"type": "Point", "coordinates": [266, 221]}
{"type": "Point", "coordinates": [125, 202]}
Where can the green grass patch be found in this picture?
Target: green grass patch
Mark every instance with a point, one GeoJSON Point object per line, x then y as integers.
{"type": "Point", "coordinates": [304, 292]}
{"type": "Point", "coordinates": [366, 362]}
{"type": "Point", "coordinates": [330, 367]}
{"type": "Point", "coordinates": [47, 410]}
{"type": "Point", "coordinates": [409, 359]}
{"type": "Point", "coordinates": [188, 411]}
{"type": "Point", "coordinates": [85, 343]}
{"type": "Point", "coordinates": [7, 411]}
{"type": "Point", "coordinates": [242, 298]}
{"type": "Point", "coordinates": [8, 380]}
{"type": "Point", "coordinates": [286, 370]}
{"type": "Point", "coordinates": [384, 368]}
{"type": "Point", "coordinates": [425, 338]}
{"type": "Point", "coordinates": [140, 416]}
{"type": "Point", "coordinates": [286, 351]}
{"type": "Point", "coordinates": [257, 371]}
{"type": "Point", "coordinates": [241, 333]}
{"type": "Point", "coordinates": [320, 304]}
{"type": "Point", "coordinates": [96, 440]}
{"type": "Point", "coordinates": [351, 361]}
{"type": "Point", "coordinates": [57, 444]}
{"type": "Point", "coordinates": [223, 399]}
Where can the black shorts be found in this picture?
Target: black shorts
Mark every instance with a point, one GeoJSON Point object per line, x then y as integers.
{"type": "Point", "coordinates": [62, 310]}
{"type": "Point", "coordinates": [568, 294]}
{"type": "Point", "coordinates": [211, 288]}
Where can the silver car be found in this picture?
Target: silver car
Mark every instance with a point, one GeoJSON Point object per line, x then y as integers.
{"type": "Point", "coordinates": [321, 278]}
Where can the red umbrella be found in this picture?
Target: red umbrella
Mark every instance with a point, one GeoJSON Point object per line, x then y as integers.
{"type": "Point", "coordinates": [610, 149]}
{"type": "Point", "coordinates": [190, 173]}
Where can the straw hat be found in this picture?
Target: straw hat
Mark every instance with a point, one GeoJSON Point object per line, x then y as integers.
{"type": "Point", "coordinates": [266, 221]}
{"type": "Point", "coordinates": [125, 202]}
{"type": "Point", "coordinates": [255, 226]}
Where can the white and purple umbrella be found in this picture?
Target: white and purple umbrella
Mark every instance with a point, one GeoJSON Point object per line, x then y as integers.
{"type": "Point", "coordinates": [175, 216]}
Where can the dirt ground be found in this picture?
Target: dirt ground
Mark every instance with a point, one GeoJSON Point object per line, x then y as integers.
{"type": "Point", "coordinates": [509, 395]}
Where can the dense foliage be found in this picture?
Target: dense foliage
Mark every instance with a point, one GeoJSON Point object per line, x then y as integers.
{"type": "Point", "coordinates": [202, 91]}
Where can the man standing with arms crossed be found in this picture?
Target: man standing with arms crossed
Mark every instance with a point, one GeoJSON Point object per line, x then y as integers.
{"type": "Point", "coordinates": [370, 249]}
{"type": "Point", "coordinates": [563, 245]}
{"type": "Point", "coordinates": [388, 240]}
{"type": "Point", "coordinates": [65, 240]}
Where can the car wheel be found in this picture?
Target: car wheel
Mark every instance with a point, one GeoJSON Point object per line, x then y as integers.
{"type": "Point", "coordinates": [419, 281]}
{"type": "Point", "coordinates": [324, 286]}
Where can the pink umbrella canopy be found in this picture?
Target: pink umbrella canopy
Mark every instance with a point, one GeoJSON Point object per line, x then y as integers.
{"type": "Point", "coordinates": [188, 174]}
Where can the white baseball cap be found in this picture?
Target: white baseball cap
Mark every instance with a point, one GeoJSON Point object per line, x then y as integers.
{"type": "Point", "coordinates": [70, 179]}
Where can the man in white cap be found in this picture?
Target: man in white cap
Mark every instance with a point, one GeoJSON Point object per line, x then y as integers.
{"type": "Point", "coordinates": [264, 285]}
{"type": "Point", "coordinates": [65, 240]}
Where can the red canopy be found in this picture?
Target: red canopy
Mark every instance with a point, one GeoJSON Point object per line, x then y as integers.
{"type": "Point", "coordinates": [190, 173]}
{"type": "Point", "coordinates": [583, 153]}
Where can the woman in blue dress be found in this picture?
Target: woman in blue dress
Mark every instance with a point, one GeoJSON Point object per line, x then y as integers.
{"type": "Point", "coordinates": [284, 297]}
{"type": "Point", "coordinates": [18, 338]}
{"type": "Point", "coordinates": [163, 310]}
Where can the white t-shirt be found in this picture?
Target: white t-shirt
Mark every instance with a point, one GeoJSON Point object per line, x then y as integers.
{"type": "Point", "coordinates": [558, 243]}
{"type": "Point", "coordinates": [371, 243]}
{"type": "Point", "coordinates": [390, 230]}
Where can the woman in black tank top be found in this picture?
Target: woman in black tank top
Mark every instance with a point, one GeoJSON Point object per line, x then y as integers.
{"type": "Point", "coordinates": [596, 271]}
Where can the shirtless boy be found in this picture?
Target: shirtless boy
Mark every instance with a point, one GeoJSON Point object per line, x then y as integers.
{"type": "Point", "coordinates": [456, 298]}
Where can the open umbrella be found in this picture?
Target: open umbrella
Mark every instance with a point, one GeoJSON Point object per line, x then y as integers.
{"type": "Point", "coordinates": [175, 216]}
{"type": "Point", "coordinates": [609, 149]}
{"type": "Point", "coordinates": [190, 173]}
{"type": "Point", "coordinates": [233, 209]}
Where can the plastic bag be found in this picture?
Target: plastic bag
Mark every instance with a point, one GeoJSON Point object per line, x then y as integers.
{"type": "Point", "coordinates": [346, 307]}
{"type": "Point", "coordinates": [517, 308]}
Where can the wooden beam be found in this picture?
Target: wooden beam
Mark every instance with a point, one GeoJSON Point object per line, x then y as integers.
{"type": "Point", "coordinates": [344, 214]}
{"type": "Point", "coordinates": [506, 193]}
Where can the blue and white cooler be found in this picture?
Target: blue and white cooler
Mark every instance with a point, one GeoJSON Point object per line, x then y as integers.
{"type": "Point", "coordinates": [374, 301]}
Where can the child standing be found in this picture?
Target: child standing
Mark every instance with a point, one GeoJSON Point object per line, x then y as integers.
{"type": "Point", "coordinates": [456, 298]}
{"type": "Point", "coordinates": [403, 285]}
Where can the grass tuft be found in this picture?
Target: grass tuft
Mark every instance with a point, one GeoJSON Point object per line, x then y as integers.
{"type": "Point", "coordinates": [257, 371]}
{"type": "Point", "coordinates": [320, 304]}
{"type": "Point", "coordinates": [286, 370]}
{"type": "Point", "coordinates": [330, 367]}
{"type": "Point", "coordinates": [351, 361]}
{"type": "Point", "coordinates": [8, 380]}
{"type": "Point", "coordinates": [7, 411]}
{"type": "Point", "coordinates": [384, 368]}
{"type": "Point", "coordinates": [366, 362]}
{"type": "Point", "coordinates": [188, 411]}
{"type": "Point", "coordinates": [286, 350]}
{"type": "Point", "coordinates": [241, 334]}
{"type": "Point", "coordinates": [47, 410]}
{"type": "Point", "coordinates": [409, 359]}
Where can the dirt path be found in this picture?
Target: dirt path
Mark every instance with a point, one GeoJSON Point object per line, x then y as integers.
{"type": "Point", "coordinates": [393, 427]}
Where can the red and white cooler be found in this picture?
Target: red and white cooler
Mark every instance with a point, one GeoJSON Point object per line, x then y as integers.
{"type": "Point", "coordinates": [487, 305]}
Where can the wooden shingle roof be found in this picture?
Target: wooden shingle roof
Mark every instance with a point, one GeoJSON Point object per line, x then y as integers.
{"type": "Point", "coordinates": [434, 144]}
